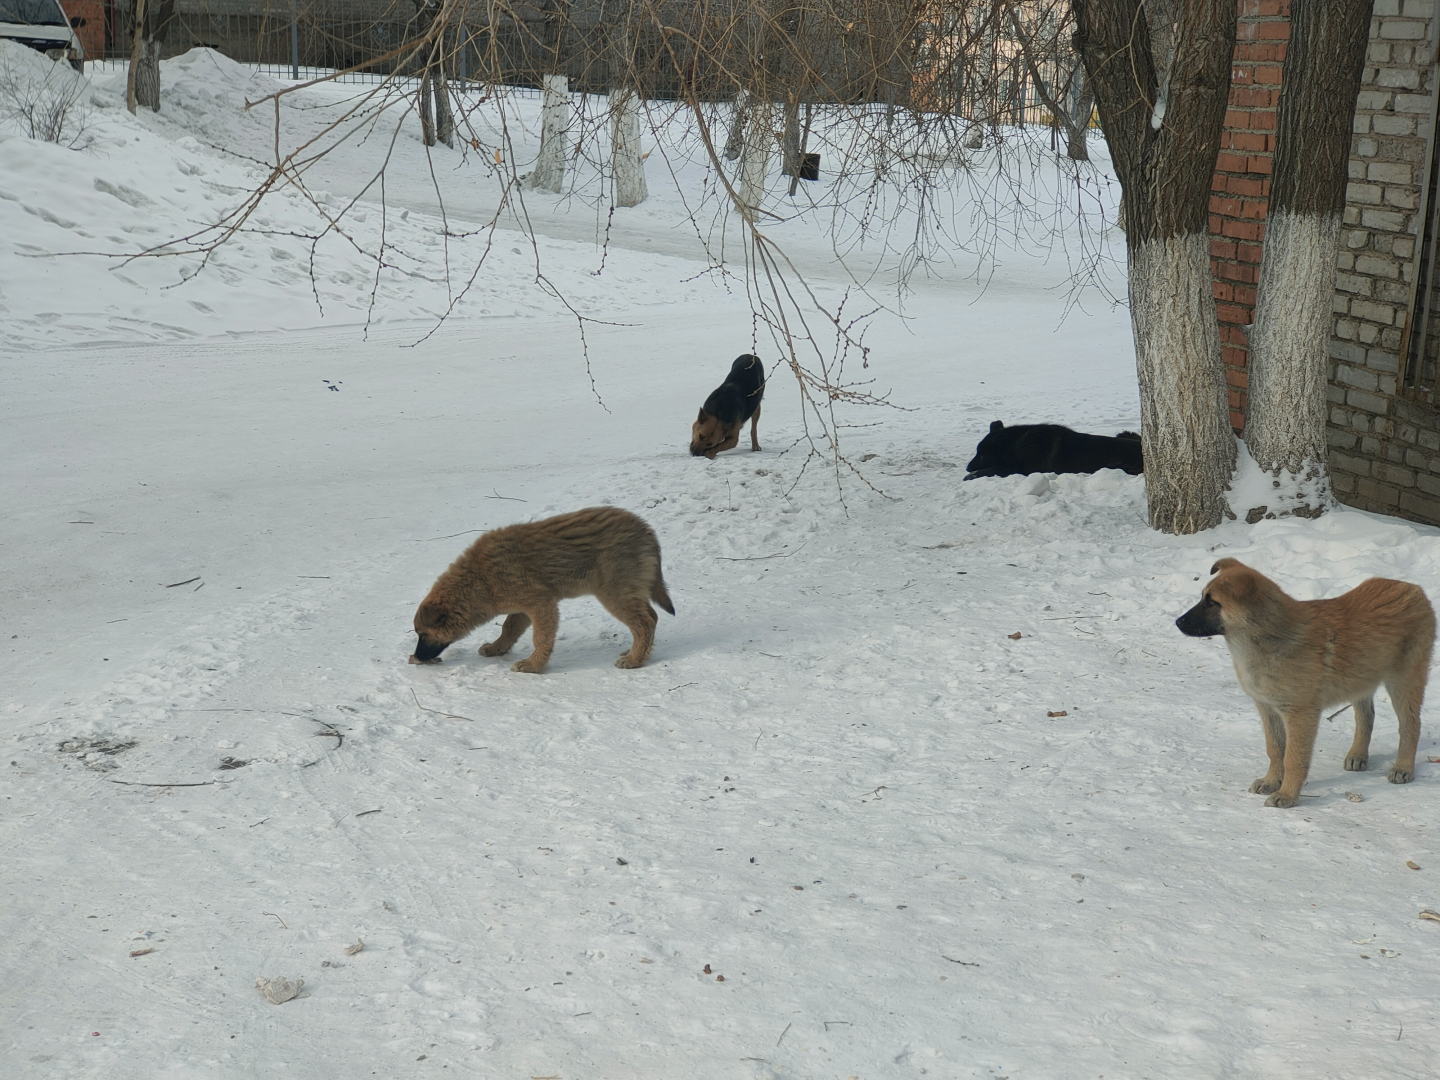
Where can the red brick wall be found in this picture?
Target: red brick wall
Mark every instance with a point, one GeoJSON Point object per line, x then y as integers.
{"type": "Point", "coordinates": [1241, 188]}
{"type": "Point", "coordinates": [92, 34]}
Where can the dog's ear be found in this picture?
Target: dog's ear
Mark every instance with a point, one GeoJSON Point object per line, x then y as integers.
{"type": "Point", "coordinates": [1225, 564]}
{"type": "Point", "coordinates": [702, 417]}
{"type": "Point", "coordinates": [996, 425]}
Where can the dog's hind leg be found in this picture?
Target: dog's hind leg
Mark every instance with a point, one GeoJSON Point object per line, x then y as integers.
{"type": "Point", "coordinates": [510, 632]}
{"type": "Point", "coordinates": [1358, 759]}
{"type": "Point", "coordinates": [546, 620]}
{"type": "Point", "coordinates": [1407, 693]}
{"type": "Point", "coordinates": [1275, 748]}
{"type": "Point", "coordinates": [640, 617]}
{"type": "Point", "coordinates": [754, 420]}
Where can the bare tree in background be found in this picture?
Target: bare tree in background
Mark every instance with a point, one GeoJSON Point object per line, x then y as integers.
{"type": "Point", "coordinates": [1289, 343]}
{"type": "Point", "coordinates": [152, 22]}
{"type": "Point", "coordinates": [1161, 77]}
{"type": "Point", "coordinates": [433, 20]}
{"type": "Point", "coordinates": [627, 164]}
{"type": "Point", "coordinates": [549, 171]}
{"type": "Point", "coordinates": [905, 86]}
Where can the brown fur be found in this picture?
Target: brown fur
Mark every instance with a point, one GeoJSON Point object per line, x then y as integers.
{"type": "Point", "coordinates": [524, 571]}
{"type": "Point", "coordinates": [710, 435]}
{"type": "Point", "coordinates": [1296, 658]}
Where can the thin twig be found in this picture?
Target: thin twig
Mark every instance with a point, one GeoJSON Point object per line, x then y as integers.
{"type": "Point", "coordinates": [437, 712]}
{"type": "Point", "coordinates": [277, 917]}
{"type": "Point", "coordinates": [784, 1033]}
{"type": "Point", "coordinates": [761, 558]}
{"type": "Point", "coordinates": [507, 498]}
{"type": "Point", "coordinates": [187, 581]}
{"type": "Point", "coordinates": [134, 783]}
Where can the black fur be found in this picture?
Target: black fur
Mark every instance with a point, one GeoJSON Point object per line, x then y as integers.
{"type": "Point", "coordinates": [734, 400]}
{"type": "Point", "coordinates": [1202, 620]}
{"type": "Point", "coordinates": [1029, 448]}
{"type": "Point", "coordinates": [427, 650]}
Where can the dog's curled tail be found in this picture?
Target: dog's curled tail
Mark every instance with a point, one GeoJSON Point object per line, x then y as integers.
{"type": "Point", "coordinates": [660, 596]}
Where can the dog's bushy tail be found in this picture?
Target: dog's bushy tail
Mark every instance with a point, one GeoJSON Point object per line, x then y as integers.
{"type": "Point", "coordinates": [660, 596]}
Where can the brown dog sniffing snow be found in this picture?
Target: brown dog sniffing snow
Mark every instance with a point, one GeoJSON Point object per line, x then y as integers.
{"type": "Point", "coordinates": [524, 571]}
{"type": "Point", "coordinates": [1296, 658]}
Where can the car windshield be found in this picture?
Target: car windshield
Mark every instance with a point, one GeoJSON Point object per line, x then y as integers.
{"type": "Point", "coordinates": [32, 12]}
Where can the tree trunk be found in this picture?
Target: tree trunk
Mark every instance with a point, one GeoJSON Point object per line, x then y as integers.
{"type": "Point", "coordinates": [1164, 135]}
{"type": "Point", "coordinates": [139, 55]}
{"type": "Point", "coordinates": [790, 141]}
{"type": "Point", "coordinates": [1289, 344]}
{"type": "Point", "coordinates": [1082, 106]}
{"type": "Point", "coordinates": [549, 172]}
{"type": "Point", "coordinates": [627, 166]}
{"type": "Point", "coordinates": [755, 157]}
{"type": "Point", "coordinates": [735, 139]}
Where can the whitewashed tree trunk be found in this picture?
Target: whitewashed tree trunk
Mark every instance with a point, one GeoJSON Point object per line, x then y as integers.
{"type": "Point", "coordinates": [1289, 343]}
{"type": "Point", "coordinates": [627, 164]}
{"type": "Point", "coordinates": [549, 172]}
{"type": "Point", "coordinates": [1160, 71]}
{"type": "Point", "coordinates": [755, 156]}
{"type": "Point", "coordinates": [1189, 447]}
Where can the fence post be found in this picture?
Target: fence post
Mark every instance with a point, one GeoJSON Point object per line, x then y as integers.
{"type": "Point", "coordinates": [464, 37]}
{"type": "Point", "coordinates": [294, 42]}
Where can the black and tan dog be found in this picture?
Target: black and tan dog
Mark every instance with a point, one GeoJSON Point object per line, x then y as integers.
{"type": "Point", "coordinates": [725, 411]}
{"type": "Point", "coordinates": [524, 571]}
{"type": "Point", "coordinates": [1296, 658]}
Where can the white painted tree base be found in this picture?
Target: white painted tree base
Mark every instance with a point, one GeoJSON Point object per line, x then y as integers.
{"type": "Point", "coordinates": [755, 157]}
{"type": "Point", "coordinates": [549, 171]}
{"type": "Point", "coordinates": [1189, 447]}
{"type": "Point", "coordinates": [1289, 346]}
{"type": "Point", "coordinates": [628, 167]}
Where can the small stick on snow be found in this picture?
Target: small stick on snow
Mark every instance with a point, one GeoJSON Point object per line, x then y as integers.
{"type": "Point", "coordinates": [330, 730]}
{"type": "Point", "coordinates": [962, 963]}
{"type": "Point", "coordinates": [760, 558]}
{"type": "Point", "coordinates": [187, 581]}
{"type": "Point", "coordinates": [359, 946]}
{"type": "Point", "coordinates": [134, 783]}
{"type": "Point", "coordinates": [783, 1034]}
{"type": "Point", "coordinates": [364, 812]}
{"type": "Point", "coordinates": [140, 952]}
{"type": "Point", "coordinates": [437, 712]}
{"type": "Point", "coordinates": [277, 918]}
{"type": "Point", "coordinates": [507, 498]}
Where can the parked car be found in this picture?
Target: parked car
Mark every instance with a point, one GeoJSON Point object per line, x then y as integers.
{"type": "Point", "coordinates": [43, 25]}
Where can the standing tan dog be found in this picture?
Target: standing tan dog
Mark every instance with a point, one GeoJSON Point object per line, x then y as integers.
{"type": "Point", "coordinates": [524, 571]}
{"type": "Point", "coordinates": [1296, 658]}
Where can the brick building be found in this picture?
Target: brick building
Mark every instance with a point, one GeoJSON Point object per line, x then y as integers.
{"type": "Point", "coordinates": [1384, 418]}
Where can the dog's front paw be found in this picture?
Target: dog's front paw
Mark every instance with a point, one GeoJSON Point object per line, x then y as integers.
{"type": "Point", "coordinates": [492, 648]}
{"type": "Point", "coordinates": [528, 666]}
{"type": "Point", "coordinates": [1401, 776]}
{"type": "Point", "coordinates": [626, 662]}
{"type": "Point", "coordinates": [1356, 763]}
{"type": "Point", "coordinates": [1281, 800]}
{"type": "Point", "coordinates": [1264, 786]}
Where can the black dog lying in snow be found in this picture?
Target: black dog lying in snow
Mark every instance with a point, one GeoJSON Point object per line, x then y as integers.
{"type": "Point", "coordinates": [1031, 448]}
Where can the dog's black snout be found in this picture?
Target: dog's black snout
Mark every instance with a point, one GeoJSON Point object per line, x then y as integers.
{"type": "Point", "coordinates": [1202, 620]}
{"type": "Point", "coordinates": [426, 649]}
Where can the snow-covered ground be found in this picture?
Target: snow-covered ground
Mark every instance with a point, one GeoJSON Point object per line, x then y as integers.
{"type": "Point", "coordinates": [908, 841]}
